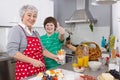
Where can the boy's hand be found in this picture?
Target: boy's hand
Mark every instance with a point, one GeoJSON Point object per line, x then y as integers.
{"type": "Point", "coordinates": [60, 29]}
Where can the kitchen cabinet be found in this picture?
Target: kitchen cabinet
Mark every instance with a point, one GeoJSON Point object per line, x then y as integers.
{"type": "Point", "coordinates": [116, 17]}
{"type": "Point", "coordinates": [3, 38]}
{"type": "Point", "coordinates": [4, 75]}
{"type": "Point", "coordinates": [9, 10]}
{"type": "Point", "coordinates": [7, 67]}
{"type": "Point", "coordinates": [4, 67]}
{"type": "Point", "coordinates": [116, 22]}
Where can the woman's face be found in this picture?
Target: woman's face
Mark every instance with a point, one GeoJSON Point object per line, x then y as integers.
{"type": "Point", "coordinates": [29, 18]}
{"type": "Point", "coordinates": [49, 27]}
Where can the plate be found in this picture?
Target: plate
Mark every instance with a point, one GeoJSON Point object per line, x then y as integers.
{"type": "Point", "coordinates": [36, 78]}
{"type": "Point", "coordinates": [68, 75]}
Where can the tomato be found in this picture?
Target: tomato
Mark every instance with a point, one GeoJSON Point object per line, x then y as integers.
{"type": "Point", "coordinates": [107, 58]}
{"type": "Point", "coordinates": [117, 54]}
{"type": "Point", "coordinates": [79, 67]}
{"type": "Point", "coordinates": [55, 78]}
{"type": "Point", "coordinates": [44, 78]}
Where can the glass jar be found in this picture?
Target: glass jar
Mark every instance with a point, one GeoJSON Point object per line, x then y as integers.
{"type": "Point", "coordinates": [86, 56]}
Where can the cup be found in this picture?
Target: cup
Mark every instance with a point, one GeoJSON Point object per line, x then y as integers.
{"type": "Point", "coordinates": [102, 60]}
{"type": "Point", "coordinates": [113, 53]}
{"type": "Point", "coordinates": [85, 61]}
{"type": "Point", "coordinates": [61, 56]}
{"type": "Point", "coordinates": [80, 61]}
{"type": "Point", "coordinates": [62, 59]}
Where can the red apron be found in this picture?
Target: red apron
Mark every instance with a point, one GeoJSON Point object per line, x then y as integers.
{"type": "Point", "coordinates": [33, 50]}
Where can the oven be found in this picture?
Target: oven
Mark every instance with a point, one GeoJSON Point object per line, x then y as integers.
{"type": "Point", "coordinates": [69, 57]}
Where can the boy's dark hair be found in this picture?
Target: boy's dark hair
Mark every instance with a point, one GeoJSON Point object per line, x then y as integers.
{"type": "Point", "coordinates": [50, 20]}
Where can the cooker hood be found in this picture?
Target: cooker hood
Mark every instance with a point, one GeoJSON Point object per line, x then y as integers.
{"type": "Point", "coordinates": [103, 2]}
{"type": "Point", "coordinates": [82, 14]}
{"type": "Point", "coordinates": [109, 2]}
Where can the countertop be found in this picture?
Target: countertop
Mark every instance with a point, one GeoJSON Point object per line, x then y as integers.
{"type": "Point", "coordinates": [68, 66]}
{"type": "Point", "coordinates": [4, 56]}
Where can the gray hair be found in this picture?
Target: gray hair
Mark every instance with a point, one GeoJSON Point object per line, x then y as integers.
{"type": "Point", "coordinates": [26, 8]}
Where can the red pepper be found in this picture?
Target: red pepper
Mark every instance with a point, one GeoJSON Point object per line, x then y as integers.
{"type": "Point", "coordinates": [55, 78]}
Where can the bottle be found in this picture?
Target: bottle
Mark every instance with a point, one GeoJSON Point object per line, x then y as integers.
{"type": "Point", "coordinates": [112, 61]}
{"type": "Point", "coordinates": [103, 42]}
{"type": "Point", "coordinates": [86, 56]}
{"type": "Point", "coordinates": [80, 60]}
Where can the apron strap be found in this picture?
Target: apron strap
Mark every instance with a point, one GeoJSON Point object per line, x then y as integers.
{"type": "Point", "coordinates": [23, 30]}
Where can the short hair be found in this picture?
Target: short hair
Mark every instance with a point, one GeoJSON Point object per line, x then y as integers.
{"type": "Point", "coordinates": [50, 20]}
{"type": "Point", "coordinates": [26, 8]}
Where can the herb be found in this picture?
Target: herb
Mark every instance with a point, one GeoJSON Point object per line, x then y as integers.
{"type": "Point", "coordinates": [91, 26]}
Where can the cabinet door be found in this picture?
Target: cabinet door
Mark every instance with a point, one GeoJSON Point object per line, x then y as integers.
{"type": "Point", "coordinates": [116, 18]}
{"type": "Point", "coordinates": [9, 10]}
{"type": "Point", "coordinates": [116, 23]}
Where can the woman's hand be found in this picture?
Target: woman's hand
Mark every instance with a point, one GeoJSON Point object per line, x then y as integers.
{"type": "Point", "coordinates": [37, 63]}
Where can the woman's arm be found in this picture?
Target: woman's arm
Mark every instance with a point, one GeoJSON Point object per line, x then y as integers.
{"type": "Point", "coordinates": [23, 58]}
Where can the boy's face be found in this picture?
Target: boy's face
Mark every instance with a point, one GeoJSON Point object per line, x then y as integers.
{"type": "Point", "coordinates": [50, 28]}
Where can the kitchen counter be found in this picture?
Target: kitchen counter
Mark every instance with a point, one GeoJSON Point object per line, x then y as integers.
{"type": "Point", "coordinates": [4, 56]}
{"type": "Point", "coordinates": [68, 66]}
{"type": "Point", "coordinates": [4, 66]}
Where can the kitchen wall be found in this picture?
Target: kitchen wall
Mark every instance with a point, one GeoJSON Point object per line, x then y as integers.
{"type": "Point", "coordinates": [10, 10]}
{"type": "Point", "coordinates": [63, 10]}
{"type": "Point", "coordinates": [81, 32]}
{"type": "Point", "coordinates": [3, 38]}
{"type": "Point", "coordinates": [10, 16]}
{"type": "Point", "coordinates": [116, 23]}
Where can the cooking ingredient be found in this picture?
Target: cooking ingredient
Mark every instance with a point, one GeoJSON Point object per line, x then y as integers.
{"type": "Point", "coordinates": [112, 42]}
{"type": "Point", "coordinates": [103, 42]}
{"type": "Point", "coordinates": [86, 56]}
{"type": "Point", "coordinates": [86, 59]}
{"type": "Point", "coordinates": [117, 55]}
{"type": "Point", "coordinates": [80, 61]}
{"type": "Point", "coordinates": [106, 76]}
{"type": "Point", "coordinates": [113, 53]}
{"type": "Point", "coordinates": [87, 77]}
{"type": "Point", "coordinates": [115, 74]}
{"type": "Point", "coordinates": [74, 65]}
{"type": "Point", "coordinates": [61, 52]}
{"type": "Point", "coordinates": [55, 78]}
{"type": "Point", "coordinates": [91, 26]}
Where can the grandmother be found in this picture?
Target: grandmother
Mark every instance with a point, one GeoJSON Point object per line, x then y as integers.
{"type": "Point", "coordinates": [24, 45]}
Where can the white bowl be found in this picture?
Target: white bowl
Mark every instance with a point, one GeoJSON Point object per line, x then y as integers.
{"type": "Point", "coordinates": [94, 65]}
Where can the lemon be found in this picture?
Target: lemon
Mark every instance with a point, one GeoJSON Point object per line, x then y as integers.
{"type": "Point", "coordinates": [85, 45]}
{"type": "Point", "coordinates": [74, 65]}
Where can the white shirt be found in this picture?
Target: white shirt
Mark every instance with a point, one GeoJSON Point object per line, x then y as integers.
{"type": "Point", "coordinates": [26, 29]}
